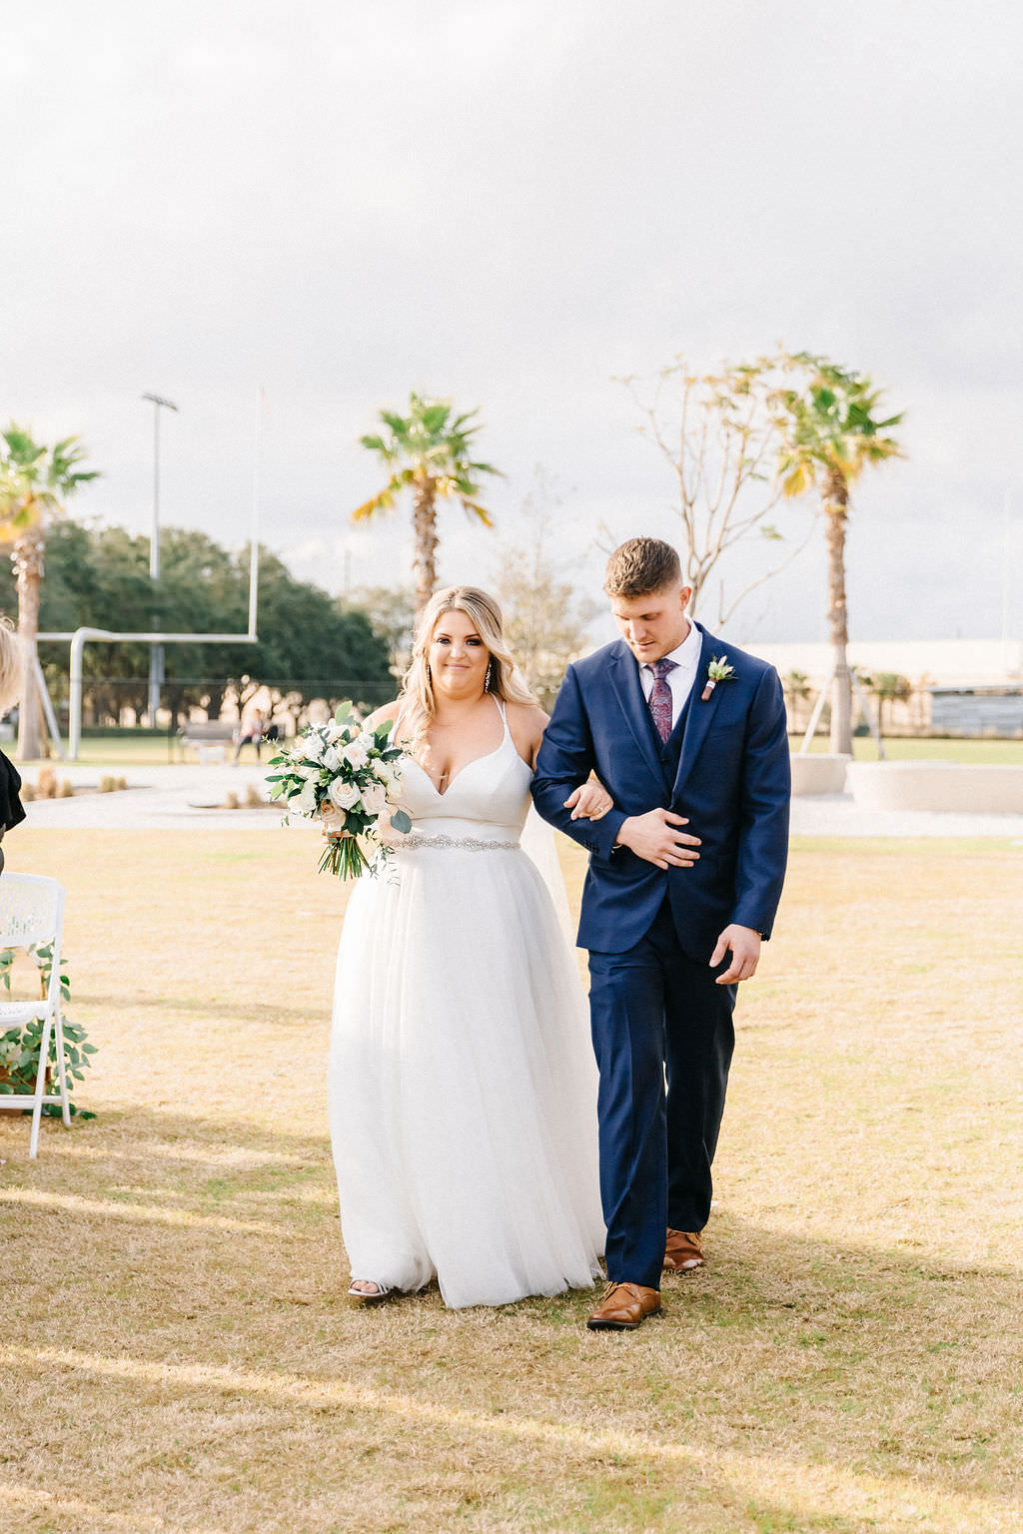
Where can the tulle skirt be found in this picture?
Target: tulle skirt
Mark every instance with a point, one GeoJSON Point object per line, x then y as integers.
{"type": "Point", "coordinates": [463, 1087]}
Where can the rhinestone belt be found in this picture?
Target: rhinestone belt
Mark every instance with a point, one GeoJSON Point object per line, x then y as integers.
{"type": "Point", "coordinates": [418, 839]}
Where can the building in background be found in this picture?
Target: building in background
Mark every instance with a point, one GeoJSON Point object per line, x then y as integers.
{"type": "Point", "coordinates": [982, 710]}
{"type": "Point", "coordinates": [957, 686]}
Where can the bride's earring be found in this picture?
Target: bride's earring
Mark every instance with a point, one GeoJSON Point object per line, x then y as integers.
{"type": "Point", "coordinates": [490, 672]}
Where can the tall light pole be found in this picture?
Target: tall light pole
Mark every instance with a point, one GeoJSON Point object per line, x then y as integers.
{"type": "Point", "coordinates": [156, 650]}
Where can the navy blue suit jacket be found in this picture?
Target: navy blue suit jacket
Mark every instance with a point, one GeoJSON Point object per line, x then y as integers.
{"type": "Point", "coordinates": [732, 783]}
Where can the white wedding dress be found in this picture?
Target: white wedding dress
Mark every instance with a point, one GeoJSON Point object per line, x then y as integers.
{"type": "Point", "coordinates": [462, 1082]}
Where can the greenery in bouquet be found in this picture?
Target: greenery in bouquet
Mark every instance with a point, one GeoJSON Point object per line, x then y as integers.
{"type": "Point", "coordinates": [350, 777]}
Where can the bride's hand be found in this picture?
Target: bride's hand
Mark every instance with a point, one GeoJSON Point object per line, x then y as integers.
{"type": "Point", "coordinates": [386, 833]}
{"type": "Point", "coordinates": [589, 801]}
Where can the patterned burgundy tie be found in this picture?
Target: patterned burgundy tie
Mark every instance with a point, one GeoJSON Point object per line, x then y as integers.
{"type": "Point", "coordinates": [659, 701]}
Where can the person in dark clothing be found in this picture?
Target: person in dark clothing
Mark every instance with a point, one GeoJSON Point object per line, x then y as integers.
{"type": "Point", "coordinates": [12, 671]}
{"type": "Point", "coordinates": [11, 809]}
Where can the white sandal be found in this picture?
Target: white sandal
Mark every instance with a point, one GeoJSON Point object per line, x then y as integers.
{"type": "Point", "coordinates": [381, 1292]}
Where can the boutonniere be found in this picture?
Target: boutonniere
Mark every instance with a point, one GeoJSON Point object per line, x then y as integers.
{"type": "Point", "coordinates": [718, 671]}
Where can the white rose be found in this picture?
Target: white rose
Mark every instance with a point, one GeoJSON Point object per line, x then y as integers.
{"type": "Point", "coordinates": [331, 760]}
{"type": "Point", "coordinates": [312, 748]}
{"type": "Point", "coordinates": [374, 799]}
{"type": "Point", "coordinates": [392, 780]}
{"type": "Point", "coordinates": [306, 802]}
{"type": "Point", "coordinates": [357, 753]}
{"type": "Point", "coordinates": [342, 795]}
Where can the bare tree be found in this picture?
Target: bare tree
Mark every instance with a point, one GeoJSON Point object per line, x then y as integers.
{"type": "Point", "coordinates": [391, 611]}
{"type": "Point", "coordinates": [719, 432]}
{"type": "Point", "coordinates": [545, 619]}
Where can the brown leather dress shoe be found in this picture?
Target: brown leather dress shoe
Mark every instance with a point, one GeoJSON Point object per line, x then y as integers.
{"type": "Point", "coordinates": [683, 1251]}
{"type": "Point", "coordinates": [624, 1307]}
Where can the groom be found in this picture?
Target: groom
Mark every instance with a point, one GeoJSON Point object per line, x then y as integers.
{"type": "Point", "coordinates": [688, 735]}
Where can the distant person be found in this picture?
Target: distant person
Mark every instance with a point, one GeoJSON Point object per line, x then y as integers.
{"type": "Point", "coordinates": [255, 728]}
{"type": "Point", "coordinates": [12, 677]}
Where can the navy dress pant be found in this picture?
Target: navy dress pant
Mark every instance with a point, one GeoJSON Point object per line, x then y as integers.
{"type": "Point", "coordinates": [663, 1037]}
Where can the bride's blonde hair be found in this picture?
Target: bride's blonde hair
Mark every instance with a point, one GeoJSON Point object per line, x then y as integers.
{"type": "Point", "coordinates": [12, 666]}
{"type": "Point", "coordinates": [417, 700]}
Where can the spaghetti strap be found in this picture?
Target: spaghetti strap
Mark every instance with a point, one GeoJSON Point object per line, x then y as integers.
{"type": "Point", "coordinates": [397, 721]}
{"type": "Point", "coordinates": [502, 710]}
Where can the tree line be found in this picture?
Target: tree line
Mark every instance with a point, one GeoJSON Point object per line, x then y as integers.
{"type": "Point", "coordinates": [310, 644]}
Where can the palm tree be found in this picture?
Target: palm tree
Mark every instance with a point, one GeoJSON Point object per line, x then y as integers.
{"type": "Point", "coordinates": [34, 483]}
{"type": "Point", "coordinates": [796, 687]}
{"type": "Point", "coordinates": [427, 452]}
{"type": "Point", "coordinates": [889, 687]}
{"type": "Point", "coordinates": [830, 433]}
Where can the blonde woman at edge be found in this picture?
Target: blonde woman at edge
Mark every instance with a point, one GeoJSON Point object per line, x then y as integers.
{"type": "Point", "coordinates": [12, 678]}
{"type": "Point", "coordinates": [462, 1078]}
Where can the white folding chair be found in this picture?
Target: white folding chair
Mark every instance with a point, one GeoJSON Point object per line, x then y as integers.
{"type": "Point", "coordinates": [32, 911]}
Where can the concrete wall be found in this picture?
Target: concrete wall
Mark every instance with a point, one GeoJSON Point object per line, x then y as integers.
{"type": "Point", "coordinates": [942, 786]}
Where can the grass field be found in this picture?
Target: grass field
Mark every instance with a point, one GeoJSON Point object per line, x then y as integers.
{"type": "Point", "coordinates": [129, 750]}
{"type": "Point", "coordinates": [141, 751]}
{"type": "Point", "coordinates": [1009, 752]}
{"type": "Point", "coordinates": [179, 1353]}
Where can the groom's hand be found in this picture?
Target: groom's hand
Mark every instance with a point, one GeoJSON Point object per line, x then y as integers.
{"type": "Point", "coordinates": [656, 838]}
{"type": "Point", "coordinates": [744, 945]}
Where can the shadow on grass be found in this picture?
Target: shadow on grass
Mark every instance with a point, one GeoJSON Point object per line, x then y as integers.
{"type": "Point", "coordinates": [203, 1006]}
{"type": "Point", "coordinates": [140, 1133]}
{"type": "Point", "coordinates": [185, 1236]}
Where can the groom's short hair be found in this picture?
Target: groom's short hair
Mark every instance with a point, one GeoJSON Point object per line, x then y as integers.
{"type": "Point", "coordinates": [640, 566]}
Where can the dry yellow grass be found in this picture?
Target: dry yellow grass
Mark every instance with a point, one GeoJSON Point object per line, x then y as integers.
{"type": "Point", "coordinates": [179, 1353]}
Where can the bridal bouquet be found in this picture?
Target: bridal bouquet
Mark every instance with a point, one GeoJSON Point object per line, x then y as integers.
{"type": "Point", "coordinates": [350, 776]}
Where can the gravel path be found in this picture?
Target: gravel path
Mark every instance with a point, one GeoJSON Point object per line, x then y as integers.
{"type": "Point", "coordinates": [170, 797]}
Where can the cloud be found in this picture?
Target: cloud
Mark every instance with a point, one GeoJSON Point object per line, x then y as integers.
{"type": "Point", "coordinates": [510, 204]}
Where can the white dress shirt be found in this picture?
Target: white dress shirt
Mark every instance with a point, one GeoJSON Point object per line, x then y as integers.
{"type": "Point", "coordinates": [683, 675]}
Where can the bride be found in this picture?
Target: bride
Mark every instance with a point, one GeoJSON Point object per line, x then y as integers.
{"type": "Point", "coordinates": [462, 1080]}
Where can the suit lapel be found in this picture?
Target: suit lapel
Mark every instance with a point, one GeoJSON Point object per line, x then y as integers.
{"type": "Point", "coordinates": [701, 714]}
{"type": "Point", "coordinates": [624, 674]}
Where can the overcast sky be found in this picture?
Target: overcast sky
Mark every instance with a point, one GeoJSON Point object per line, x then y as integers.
{"type": "Point", "coordinates": [511, 204]}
